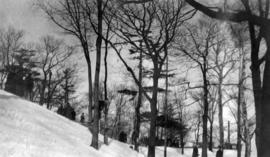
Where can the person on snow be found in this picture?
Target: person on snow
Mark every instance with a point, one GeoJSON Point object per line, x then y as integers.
{"type": "Point", "coordinates": [195, 151]}
{"type": "Point", "coordinates": [73, 114]}
{"type": "Point", "coordinates": [219, 152]}
{"type": "Point", "coordinates": [82, 118]}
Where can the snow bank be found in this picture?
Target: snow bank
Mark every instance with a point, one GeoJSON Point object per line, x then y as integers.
{"type": "Point", "coordinates": [173, 152]}
{"type": "Point", "coordinates": [28, 130]}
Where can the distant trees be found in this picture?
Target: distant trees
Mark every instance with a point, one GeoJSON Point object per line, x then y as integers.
{"type": "Point", "coordinates": [10, 42]}
{"type": "Point", "coordinates": [98, 28]}
{"type": "Point", "coordinates": [63, 93]}
{"type": "Point", "coordinates": [258, 27]}
{"type": "Point", "coordinates": [68, 83]}
{"type": "Point", "coordinates": [70, 16]}
{"type": "Point", "coordinates": [201, 39]}
{"type": "Point", "coordinates": [20, 73]}
{"type": "Point", "coordinates": [223, 60]}
{"type": "Point", "coordinates": [16, 63]}
{"type": "Point", "coordinates": [83, 20]}
{"type": "Point", "coordinates": [243, 130]}
{"type": "Point", "coordinates": [52, 53]}
{"type": "Point", "coordinates": [138, 23]}
{"type": "Point", "coordinates": [32, 70]}
{"type": "Point", "coordinates": [181, 110]}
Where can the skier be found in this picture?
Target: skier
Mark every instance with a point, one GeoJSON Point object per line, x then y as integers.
{"type": "Point", "coordinates": [195, 151]}
{"type": "Point", "coordinates": [29, 84]}
{"type": "Point", "coordinates": [60, 110]}
{"type": "Point", "coordinates": [219, 152]}
{"type": "Point", "coordinates": [73, 114]}
{"type": "Point", "coordinates": [82, 118]}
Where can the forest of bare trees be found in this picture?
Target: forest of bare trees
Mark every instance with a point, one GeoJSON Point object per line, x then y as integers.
{"type": "Point", "coordinates": [186, 69]}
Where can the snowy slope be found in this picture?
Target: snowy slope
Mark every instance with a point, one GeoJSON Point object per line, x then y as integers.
{"type": "Point", "coordinates": [28, 130]}
{"type": "Point", "coordinates": [173, 152]}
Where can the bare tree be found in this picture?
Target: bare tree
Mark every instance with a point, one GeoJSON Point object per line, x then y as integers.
{"type": "Point", "coordinates": [107, 36]}
{"type": "Point", "coordinates": [183, 117]}
{"type": "Point", "coordinates": [224, 60]}
{"type": "Point", "coordinates": [10, 41]}
{"type": "Point", "coordinates": [52, 53]}
{"type": "Point", "coordinates": [198, 51]}
{"type": "Point", "coordinates": [255, 17]}
{"type": "Point", "coordinates": [155, 24]}
{"type": "Point", "coordinates": [97, 26]}
{"type": "Point", "coordinates": [70, 16]}
{"type": "Point", "coordinates": [198, 99]}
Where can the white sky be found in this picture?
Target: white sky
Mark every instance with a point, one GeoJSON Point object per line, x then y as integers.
{"type": "Point", "coordinates": [22, 14]}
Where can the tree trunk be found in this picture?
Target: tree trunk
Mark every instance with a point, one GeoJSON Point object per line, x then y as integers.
{"type": "Point", "coordinates": [248, 148]}
{"type": "Point", "coordinates": [211, 137]}
{"type": "Point", "coordinates": [265, 107]}
{"type": "Point", "coordinates": [256, 81]}
{"type": "Point", "coordinates": [198, 130]}
{"type": "Point", "coordinates": [152, 132]}
{"type": "Point", "coordinates": [244, 109]}
{"type": "Point", "coordinates": [240, 101]}
{"type": "Point", "coordinates": [205, 114]}
{"type": "Point", "coordinates": [205, 140]}
{"type": "Point", "coordinates": [246, 131]}
{"type": "Point", "coordinates": [90, 86]}
{"type": "Point", "coordinates": [161, 132]}
{"type": "Point", "coordinates": [105, 94]}
{"type": "Point", "coordinates": [106, 125]}
{"type": "Point", "coordinates": [66, 89]}
{"type": "Point", "coordinates": [153, 103]}
{"type": "Point", "coordinates": [239, 149]}
{"type": "Point", "coordinates": [229, 133]}
{"type": "Point", "coordinates": [182, 135]}
{"type": "Point", "coordinates": [257, 91]}
{"type": "Point", "coordinates": [49, 91]}
{"type": "Point", "coordinates": [42, 92]}
{"type": "Point", "coordinates": [138, 106]}
{"type": "Point", "coordinates": [182, 144]}
{"type": "Point", "coordinates": [118, 120]}
{"type": "Point", "coordinates": [96, 83]}
{"type": "Point", "coordinates": [220, 114]}
{"type": "Point", "coordinates": [90, 93]}
{"type": "Point", "coordinates": [166, 109]}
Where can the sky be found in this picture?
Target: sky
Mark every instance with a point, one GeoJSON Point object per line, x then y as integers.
{"type": "Point", "coordinates": [23, 14]}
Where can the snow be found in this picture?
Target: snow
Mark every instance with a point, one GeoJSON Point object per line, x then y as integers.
{"type": "Point", "coordinates": [29, 130]}
{"type": "Point", "coordinates": [173, 152]}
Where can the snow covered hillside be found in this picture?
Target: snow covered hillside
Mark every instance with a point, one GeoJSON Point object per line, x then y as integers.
{"type": "Point", "coordinates": [28, 130]}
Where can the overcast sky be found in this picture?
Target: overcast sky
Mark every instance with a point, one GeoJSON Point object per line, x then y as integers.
{"type": "Point", "coordinates": [22, 14]}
